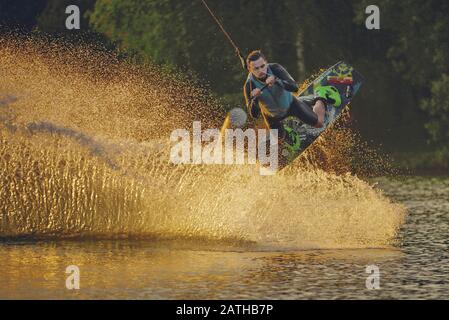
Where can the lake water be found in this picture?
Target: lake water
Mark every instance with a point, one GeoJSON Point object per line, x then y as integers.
{"type": "Point", "coordinates": [417, 268]}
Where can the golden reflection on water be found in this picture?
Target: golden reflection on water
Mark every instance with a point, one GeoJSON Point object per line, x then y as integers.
{"type": "Point", "coordinates": [148, 271]}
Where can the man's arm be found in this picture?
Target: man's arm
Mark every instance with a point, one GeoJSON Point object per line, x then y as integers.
{"type": "Point", "coordinates": [287, 81]}
{"type": "Point", "coordinates": [254, 109]}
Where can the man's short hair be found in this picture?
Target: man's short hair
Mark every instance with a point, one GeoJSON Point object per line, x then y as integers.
{"type": "Point", "coordinates": [254, 56]}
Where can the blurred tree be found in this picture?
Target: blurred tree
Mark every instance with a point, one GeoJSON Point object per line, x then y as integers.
{"type": "Point", "coordinates": [183, 34]}
{"type": "Point", "coordinates": [419, 52]}
{"type": "Point", "coordinates": [438, 108]}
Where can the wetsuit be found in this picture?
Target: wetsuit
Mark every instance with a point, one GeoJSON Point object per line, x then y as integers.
{"type": "Point", "coordinates": [278, 102]}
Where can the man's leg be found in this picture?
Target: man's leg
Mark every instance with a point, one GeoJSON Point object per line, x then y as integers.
{"type": "Point", "coordinates": [320, 110]}
{"type": "Point", "coordinates": [313, 117]}
{"type": "Point", "coordinates": [275, 123]}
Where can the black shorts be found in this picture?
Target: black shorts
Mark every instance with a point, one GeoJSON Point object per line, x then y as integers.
{"type": "Point", "coordinates": [299, 109]}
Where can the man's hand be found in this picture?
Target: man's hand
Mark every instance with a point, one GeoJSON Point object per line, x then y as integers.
{"type": "Point", "coordinates": [255, 93]}
{"type": "Point", "coordinates": [270, 80]}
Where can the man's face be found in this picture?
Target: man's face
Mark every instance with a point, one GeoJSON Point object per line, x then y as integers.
{"type": "Point", "coordinates": [259, 68]}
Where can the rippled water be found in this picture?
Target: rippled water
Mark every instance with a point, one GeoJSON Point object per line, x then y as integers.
{"type": "Point", "coordinates": [417, 268]}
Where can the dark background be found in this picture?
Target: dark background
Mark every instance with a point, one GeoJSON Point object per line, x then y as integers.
{"type": "Point", "coordinates": [403, 106]}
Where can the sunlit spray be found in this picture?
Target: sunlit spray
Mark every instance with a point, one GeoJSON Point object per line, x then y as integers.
{"type": "Point", "coordinates": [76, 111]}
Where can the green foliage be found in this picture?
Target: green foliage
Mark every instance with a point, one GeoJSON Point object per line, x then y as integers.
{"type": "Point", "coordinates": [419, 52]}
{"type": "Point", "coordinates": [183, 34]}
{"type": "Point", "coordinates": [438, 108]}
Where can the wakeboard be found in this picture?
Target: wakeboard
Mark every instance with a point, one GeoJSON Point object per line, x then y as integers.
{"type": "Point", "coordinates": [337, 85]}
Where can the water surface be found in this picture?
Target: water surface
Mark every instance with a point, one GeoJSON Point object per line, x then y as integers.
{"type": "Point", "coordinates": [417, 268]}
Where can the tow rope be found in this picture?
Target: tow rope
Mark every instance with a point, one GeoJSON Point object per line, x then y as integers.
{"type": "Point", "coordinates": [237, 50]}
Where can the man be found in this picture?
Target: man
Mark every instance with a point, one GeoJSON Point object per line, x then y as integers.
{"type": "Point", "coordinates": [276, 102]}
